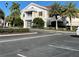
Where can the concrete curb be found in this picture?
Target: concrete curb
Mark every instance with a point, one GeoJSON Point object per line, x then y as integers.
{"type": "Point", "coordinates": [53, 31]}
{"type": "Point", "coordinates": [59, 31]}
{"type": "Point", "coordinates": [17, 34]}
{"type": "Point", "coordinates": [50, 31]}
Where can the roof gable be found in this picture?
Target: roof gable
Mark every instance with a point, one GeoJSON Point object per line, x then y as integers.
{"type": "Point", "coordinates": [36, 5]}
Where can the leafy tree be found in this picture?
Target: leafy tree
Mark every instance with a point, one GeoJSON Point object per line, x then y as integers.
{"type": "Point", "coordinates": [18, 22]}
{"type": "Point", "coordinates": [38, 22]}
{"type": "Point", "coordinates": [55, 11]}
{"type": "Point", "coordinates": [2, 15]}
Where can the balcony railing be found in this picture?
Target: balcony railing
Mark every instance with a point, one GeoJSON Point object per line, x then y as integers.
{"type": "Point", "coordinates": [28, 17]}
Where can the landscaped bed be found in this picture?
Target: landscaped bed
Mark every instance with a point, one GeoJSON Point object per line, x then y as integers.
{"type": "Point", "coordinates": [62, 28]}
{"type": "Point", "coordinates": [11, 30]}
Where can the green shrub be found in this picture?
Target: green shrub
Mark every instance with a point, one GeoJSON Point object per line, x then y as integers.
{"type": "Point", "coordinates": [38, 23]}
{"type": "Point", "coordinates": [74, 28]}
{"type": "Point", "coordinates": [14, 30]}
{"type": "Point", "coordinates": [17, 22]}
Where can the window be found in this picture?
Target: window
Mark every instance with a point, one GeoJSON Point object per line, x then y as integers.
{"type": "Point", "coordinates": [29, 13]}
{"type": "Point", "coordinates": [40, 13]}
{"type": "Point", "coordinates": [23, 15]}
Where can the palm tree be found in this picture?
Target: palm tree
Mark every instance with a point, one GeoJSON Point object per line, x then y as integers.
{"type": "Point", "coordinates": [15, 11]}
{"type": "Point", "coordinates": [55, 11]}
{"type": "Point", "coordinates": [70, 11]}
{"type": "Point", "coordinates": [15, 8]}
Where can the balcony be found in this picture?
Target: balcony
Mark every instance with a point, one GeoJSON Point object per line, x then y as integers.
{"type": "Point", "coordinates": [28, 17]}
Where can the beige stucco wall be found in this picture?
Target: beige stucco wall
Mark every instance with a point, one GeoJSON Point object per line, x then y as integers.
{"type": "Point", "coordinates": [44, 16]}
{"type": "Point", "coordinates": [75, 21]}
{"type": "Point", "coordinates": [34, 14]}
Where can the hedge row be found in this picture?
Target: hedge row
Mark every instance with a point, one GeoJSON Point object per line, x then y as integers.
{"type": "Point", "coordinates": [14, 30]}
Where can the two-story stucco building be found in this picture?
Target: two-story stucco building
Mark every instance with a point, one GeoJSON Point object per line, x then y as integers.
{"type": "Point", "coordinates": [34, 10]}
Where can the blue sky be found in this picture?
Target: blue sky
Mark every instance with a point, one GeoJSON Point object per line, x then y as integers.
{"type": "Point", "coordinates": [25, 3]}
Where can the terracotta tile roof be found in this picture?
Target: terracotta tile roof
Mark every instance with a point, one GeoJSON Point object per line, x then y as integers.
{"type": "Point", "coordinates": [49, 7]}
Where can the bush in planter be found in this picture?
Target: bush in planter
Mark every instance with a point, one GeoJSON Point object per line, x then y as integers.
{"type": "Point", "coordinates": [9, 30]}
{"type": "Point", "coordinates": [1, 30]}
{"type": "Point", "coordinates": [74, 28]}
{"type": "Point", "coordinates": [21, 30]}
{"type": "Point", "coordinates": [14, 30]}
{"type": "Point", "coordinates": [38, 23]}
{"type": "Point", "coordinates": [6, 30]}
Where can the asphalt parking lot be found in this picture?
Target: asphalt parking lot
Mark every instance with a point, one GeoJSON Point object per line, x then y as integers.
{"type": "Point", "coordinates": [40, 45]}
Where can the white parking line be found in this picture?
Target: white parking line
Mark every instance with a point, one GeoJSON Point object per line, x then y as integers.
{"type": "Point", "coordinates": [28, 38]}
{"type": "Point", "coordinates": [21, 55]}
{"type": "Point", "coordinates": [64, 47]}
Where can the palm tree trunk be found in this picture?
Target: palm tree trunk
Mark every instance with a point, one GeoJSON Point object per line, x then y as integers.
{"type": "Point", "coordinates": [14, 22]}
{"type": "Point", "coordinates": [56, 23]}
{"type": "Point", "coordinates": [71, 24]}
{"type": "Point", "coordinates": [71, 27]}
{"type": "Point", "coordinates": [3, 23]}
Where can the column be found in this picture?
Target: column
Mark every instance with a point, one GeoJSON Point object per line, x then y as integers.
{"type": "Point", "coordinates": [25, 24]}
{"type": "Point", "coordinates": [45, 24]}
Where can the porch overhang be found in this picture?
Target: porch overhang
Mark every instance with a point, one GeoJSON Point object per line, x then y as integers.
{"type": "Point", "coordinates": [30, 10]}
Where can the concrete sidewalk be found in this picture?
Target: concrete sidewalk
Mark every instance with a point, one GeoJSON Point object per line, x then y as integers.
{"type": "Point", "coordinates": [59, 31]}
{"type": "Point", "coordinates": [50, 31]}
{"type": "Point", "coordinates": [3, 35]}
